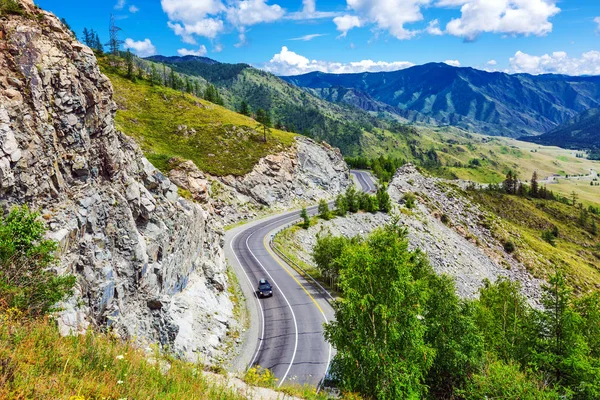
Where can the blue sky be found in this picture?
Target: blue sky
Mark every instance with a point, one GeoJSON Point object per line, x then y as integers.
{"type": "Point", "coordinates": [535, 36]}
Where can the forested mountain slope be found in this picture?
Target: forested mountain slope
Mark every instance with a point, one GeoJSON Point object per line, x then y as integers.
{"type": "Point", "coordinates": [292, 108]}
{"type": "Point", "coordinates": [581, 132]}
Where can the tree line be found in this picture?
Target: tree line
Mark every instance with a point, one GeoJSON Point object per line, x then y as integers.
{"type": "Point", "coordinates": [401, 331]}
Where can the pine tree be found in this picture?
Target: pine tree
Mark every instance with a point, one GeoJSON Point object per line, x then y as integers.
{"type": "Point", "coordinates": [129, 64]}
{"type": "Point", "coordinates": [264, 120]}
{"type": "Point", "coordinates": [98, 44]}
{"type": "Point", "coordinates": [574, 197]}
{"type": "Point", "coordinates": [244, 108]}
{"type": "Point", "coordinates": [154, 78]}
{"type": "Point", "coordinates": [534, 185]}
{"type": "Point", "coordinates": [87, 37]}
{"type": "Point", "coordinates": [560, 343]}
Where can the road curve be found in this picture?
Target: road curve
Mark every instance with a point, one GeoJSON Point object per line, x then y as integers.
{"type": "Point", "coordinates": [366, 180]}
{"type": "Point", "coordinates": [286, 330]}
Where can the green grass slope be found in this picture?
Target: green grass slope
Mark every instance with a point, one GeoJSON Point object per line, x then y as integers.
{"type": "Point", "coordinates": [522, 220]}
{"type": "Point", "coordinates": [167, 123]}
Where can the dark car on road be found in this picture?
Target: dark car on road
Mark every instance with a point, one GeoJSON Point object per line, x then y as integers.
{"type": "Point", "coordinates": [264, 288]}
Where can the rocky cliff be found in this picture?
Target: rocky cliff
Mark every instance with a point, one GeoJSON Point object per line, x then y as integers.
{"type": "Point", "coordinates": [304, 174]}
{"type": "Point", "coordinates": [149, 263]}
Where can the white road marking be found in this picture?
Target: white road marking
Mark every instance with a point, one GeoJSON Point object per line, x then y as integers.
{"type": "Point", "coordinates": [286, 300]}
{"type": "Point", "coordinates": [262, 314]}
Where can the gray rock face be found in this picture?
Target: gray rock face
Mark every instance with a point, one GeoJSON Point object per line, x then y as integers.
{"type": "Point", "coordinates": [135, 246]}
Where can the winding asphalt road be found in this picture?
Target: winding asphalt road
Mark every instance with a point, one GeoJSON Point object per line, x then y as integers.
{"type": "Point", "coordinates": [286, 330]}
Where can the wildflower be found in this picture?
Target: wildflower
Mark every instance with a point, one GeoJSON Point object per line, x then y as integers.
{"type": "Point", "coordinates": [119, 382]}
{"type": "Point", "coordinates": [120, 357]}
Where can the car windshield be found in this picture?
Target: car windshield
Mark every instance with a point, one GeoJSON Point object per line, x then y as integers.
{"type": "Point", "coordinates": [264, 286]}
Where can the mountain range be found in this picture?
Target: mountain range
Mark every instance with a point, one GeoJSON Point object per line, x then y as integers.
{"type": "Point", "coordinates": [493, 103]}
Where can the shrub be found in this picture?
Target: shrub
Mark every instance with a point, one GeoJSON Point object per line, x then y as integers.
{"type": "Point", "coordinates": [409, 200]}
{"type": "Point", "coordinates": [258, 376]}
{"type": "Point", "coordinates": [549, 237]}
{"type": "Point", "coordinates": [27, 282]}
{"type": "Point", "coordinates": [445, 219]}
{"type": "Point", "coordinates": [324, 210]}
{"type": "Point", "coordinates": [305, 219]}
{"type": "Point", "coordinates": [10, 7]}
{"type": "Point", "coordinates": [341, 205]}
{"type": "Point", "coordinates": [509, 246]}
{"type": "Point", "coordinates": [383, 198]}
{"type": "Point", "coordinates": [505, 381]}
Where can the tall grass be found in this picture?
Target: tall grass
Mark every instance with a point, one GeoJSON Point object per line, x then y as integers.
{"type": "Point", "coordinates": [37, 363]}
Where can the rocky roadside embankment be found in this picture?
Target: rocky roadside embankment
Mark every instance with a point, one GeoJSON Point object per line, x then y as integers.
{"type": "Point", "coordinates": [149, 263]}
{"type": "Point", "coordinates": [301, 175]}
{"type": "Point", "coordinates": [462, 246]}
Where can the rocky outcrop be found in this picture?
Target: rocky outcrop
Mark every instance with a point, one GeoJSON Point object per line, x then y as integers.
{"type": "Point", "coordinates": [451, 230]}
{"type": "Point", "coordinates": [305, 173]}
{"type": "Point", "coordinates": [455, 233]}
{"type": "Point", "coordinates": [149, 263]}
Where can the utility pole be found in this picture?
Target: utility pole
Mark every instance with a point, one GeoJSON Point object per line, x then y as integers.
{"type": "Point", "coordinates": [114, 42]}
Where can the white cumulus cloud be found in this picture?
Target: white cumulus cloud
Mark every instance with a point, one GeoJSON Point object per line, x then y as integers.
{"type": "Point", "coordinates": [208, 18]}
{"type": "Point", "coordinates": [454, 63]}
{"type": "Point", "coordinates": [186, 52]}
{"type": "Point", "coordinates": [252, 12]}
{"type": "Point", "coordinates": [142, 48]}
{"type": "Point", "coordinates": [120, 4]}
{"type": "Point", "coordinates": [287, 62]}
{"type": "Point", "coordinates": [492, 62]}
{"type": "Point", "coordinates": [556, 63]}
{"type": "Point", "coordinates": [390, 15]}
{"type": "Point", "coordinates": [207, 27]}
{"type": "Point", "coordinates": [347, 22]}
{"type": "Point", "coordinates": [513, 17]}
{"type": "Point", "coordinates": [133, 9]}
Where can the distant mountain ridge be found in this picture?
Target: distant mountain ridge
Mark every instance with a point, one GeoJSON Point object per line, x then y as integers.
{"type": "Point", "coordinates": [492, 103]}
{"type": "Point", "coordinates": [182, 59]}
{"type": "Point", "coordinates": [581, 132]}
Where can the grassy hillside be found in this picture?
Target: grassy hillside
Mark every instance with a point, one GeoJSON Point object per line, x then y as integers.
{"type": "Point", "coordinates": [167, 123]}
{"type": "Point", "coordinates": [291, 107]}
{"type": "Point", "coordinates": [485, 159]}
{"type": "Point", "coordinates": [522, 220]}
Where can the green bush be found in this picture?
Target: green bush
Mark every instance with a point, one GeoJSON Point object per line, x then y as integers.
{"type": "Point", "coordinates": [11, 7]}
{"type": "Point", "coordinates": [549, 237]}
{"type": "Point", "coordinates": [26, 258]}
{"type": "Point", "coordinates": [324, 212]}
{"type": "Point", "coordinates": [409, 200]}
{"type": "Point", "coordinates": [505, 381]}
{"type": "Point", "coordinates": [383, 198]}
{"type": "Point", "coordinates": [509, 246]}
{"type": "Point", "coordinates": [305, 219]}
